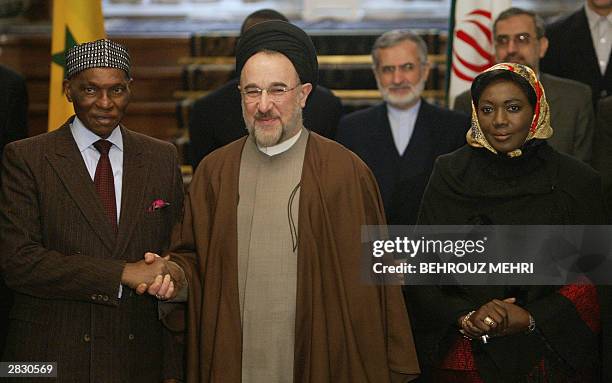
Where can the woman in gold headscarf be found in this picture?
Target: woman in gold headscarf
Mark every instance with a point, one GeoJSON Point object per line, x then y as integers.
{"type": "Point", "coordinates": [507, 174]}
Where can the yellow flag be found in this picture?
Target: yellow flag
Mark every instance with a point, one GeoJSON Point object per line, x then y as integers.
{"type": "Point", "coordinates": [74, 22]}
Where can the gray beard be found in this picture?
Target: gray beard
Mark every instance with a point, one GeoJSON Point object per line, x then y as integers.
{"type": "Point", "coordinates": [279, 135]}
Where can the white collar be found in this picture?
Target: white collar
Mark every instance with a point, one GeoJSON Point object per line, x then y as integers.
{"type": "Point", "coordinates": [280, 148]}
{"type": "Point", "coordinates": [593, 17]}
{"type": "Point", "coordinates": [85, 138]}
{"type": "Point", "coordinates": [399, 113]}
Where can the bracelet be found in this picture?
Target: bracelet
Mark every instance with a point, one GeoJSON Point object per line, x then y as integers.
{"type": "Point", "coordinates": [466, 318]}
{"type": "Point", "coordinates": [531, 327]}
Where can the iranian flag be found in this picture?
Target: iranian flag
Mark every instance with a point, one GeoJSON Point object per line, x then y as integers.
{"type": "Point", "coordinates": [470, 43]}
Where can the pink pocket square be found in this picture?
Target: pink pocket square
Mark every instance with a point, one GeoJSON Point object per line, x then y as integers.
{"type": "Point", "coordinates": [158, 204]}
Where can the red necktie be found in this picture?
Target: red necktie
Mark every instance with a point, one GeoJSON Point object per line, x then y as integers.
{"type": "Point", "coordinates": [105, 185]}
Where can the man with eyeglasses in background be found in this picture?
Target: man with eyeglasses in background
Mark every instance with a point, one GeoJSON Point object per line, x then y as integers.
{"type": "Point", "coordinates": [271, 242]}
{"type": "Point", "coordinates": [520, 38]}
{"type": "Point", "coordinates": [400, 138]}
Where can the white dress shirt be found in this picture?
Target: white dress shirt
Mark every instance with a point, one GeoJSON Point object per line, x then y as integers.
{"type": "Point", "coordinates": [601, 33]}
{"type": "Point", "coordinates": [402, 123]}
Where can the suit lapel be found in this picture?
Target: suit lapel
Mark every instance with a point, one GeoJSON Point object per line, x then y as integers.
{"type": "Point", "coordinates": [135, 176]}
{"type": "Point", "coordinates": [549, 87]}
{"type": "Point", "coordinates": [69, 166]}
{"type": "Point", "coordinates": [420, 146]}
{"type": "Point", "coordinates": [384, 134]}
{"type": "Point", "coordinates": [607, 78]}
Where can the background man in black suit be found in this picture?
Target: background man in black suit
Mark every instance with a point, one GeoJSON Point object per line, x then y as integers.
{"type": "Point", "coordinates": [400, 138]}
{"type": "Point", "coordinates": [580, 47]}
{"type": "Point", "coordinates": [13, 126]}
{"type": "Point", "coordinates": [13, 107]}
{"type": "Point", "coordinates": [216, 119]}
{"type": "Point", "coordinates": [602, 149]}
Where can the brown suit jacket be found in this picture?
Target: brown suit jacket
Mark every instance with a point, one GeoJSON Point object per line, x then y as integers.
{"type": "Point", "coordinates": [60, 256]}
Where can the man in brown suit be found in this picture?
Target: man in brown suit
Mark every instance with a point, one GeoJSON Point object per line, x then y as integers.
{"type": "Point", "coordinates": [79, 207]}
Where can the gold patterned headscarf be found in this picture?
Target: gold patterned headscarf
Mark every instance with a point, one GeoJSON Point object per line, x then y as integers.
{"type": "Point", "coordinates": [540, 124]}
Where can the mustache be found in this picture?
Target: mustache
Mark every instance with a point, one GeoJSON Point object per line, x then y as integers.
{"type": "Point", "coordinates": [513, 57]}
{"type": "Point", "coordinates": [404, 86]}
{"type": "Point", "coordinates": [260, 116]}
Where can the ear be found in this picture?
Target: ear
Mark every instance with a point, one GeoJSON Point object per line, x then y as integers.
{"type": "Point", "coordinates": [306, 89]}
{"type": "Point", "coordinates": [425, 71]}
{"type": "Point", "coordinates": [129, 88]}
{"type": "Point", "coordinates": [67, 91]}
{"type": "Point", "coordinates": [543, 46]}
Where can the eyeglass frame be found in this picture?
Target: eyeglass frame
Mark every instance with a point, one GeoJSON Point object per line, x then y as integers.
{"type": "Point", "coordinates": [521, 39]}
{"type": "Point", "coordinates": [249, 99]}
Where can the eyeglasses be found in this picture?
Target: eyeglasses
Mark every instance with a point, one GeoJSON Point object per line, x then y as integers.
{"type": "Point", "coordinates": [520, 39]}
{"type": "Point", "coordinates": [275, 92]}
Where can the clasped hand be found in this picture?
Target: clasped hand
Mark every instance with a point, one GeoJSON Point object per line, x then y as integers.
{"type": "Point", "coordinates": [154, 275]}
{"type": "Point", "coordinates": [495, 318]}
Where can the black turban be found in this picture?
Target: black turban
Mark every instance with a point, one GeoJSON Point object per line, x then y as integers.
{"type": "Point", "coordinates": [282, 37]}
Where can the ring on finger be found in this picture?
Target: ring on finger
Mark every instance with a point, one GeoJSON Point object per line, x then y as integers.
{"type": "Point", "coordinates": [489, 321]}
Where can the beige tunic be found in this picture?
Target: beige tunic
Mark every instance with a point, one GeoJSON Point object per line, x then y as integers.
{"type": "Point", "coordinates": [345, 331]}
{"type": "Point", "coordinates": [267, 260]}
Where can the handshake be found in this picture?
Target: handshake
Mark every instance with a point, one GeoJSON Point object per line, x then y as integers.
{"type": "Point", "coordinates": [155, 275]}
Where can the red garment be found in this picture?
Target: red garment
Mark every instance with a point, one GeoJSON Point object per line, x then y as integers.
{"type": "Point", "coordinates": [584, 298]}
{"type": "Point", "coordinates": [459, 366]}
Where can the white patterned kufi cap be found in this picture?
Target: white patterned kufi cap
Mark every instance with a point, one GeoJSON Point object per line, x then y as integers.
{"type": "Point", "coordinates": [102, 53]}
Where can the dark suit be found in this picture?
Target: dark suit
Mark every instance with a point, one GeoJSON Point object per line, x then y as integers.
{"type": "Point", "coordinates": [13, 107]}
{"type": "Point", "coordinates": [13, 126]}
{"type": "Point", "coordinates": [571, 115]}
{"type": "Point", "coordinates": [61, 257]}
{"type": "Point", "coordinates": [216, 119]}
{"type": "Point", "coordinates": [602, 149]}
{"type": "Point", "coordinates": [402, 179]}
{"type": "Point", "coordinates": [571, 54]}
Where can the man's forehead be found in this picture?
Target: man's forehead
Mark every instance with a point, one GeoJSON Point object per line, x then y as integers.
{"type": "Point", "coordinates": [402, 53]}
{"type": "Point", "coordinates": [515, 25]}
{"type": "Point", "coordinates": [270, 66]}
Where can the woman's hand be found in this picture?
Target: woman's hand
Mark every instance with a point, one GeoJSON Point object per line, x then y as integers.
{"type": "Point", "coordinates": [490, 318]}
{"type": "Point", "coordinates": [518, 318]}
{"type": "Point", "coordinates": [495, 318]}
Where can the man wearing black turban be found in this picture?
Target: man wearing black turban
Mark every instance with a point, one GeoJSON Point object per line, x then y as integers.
{"type": "Point", "coordinates": [284, 38]}
{"type": "Point", "coordinates": [215, 120]}
{"type": "Point", "coordinates": [271, 242]}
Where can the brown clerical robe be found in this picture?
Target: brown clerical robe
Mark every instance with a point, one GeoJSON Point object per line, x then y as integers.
{"type": "Point", "coordinates": [346, 331]}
